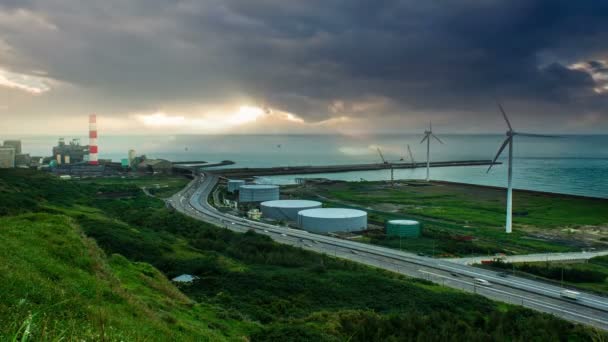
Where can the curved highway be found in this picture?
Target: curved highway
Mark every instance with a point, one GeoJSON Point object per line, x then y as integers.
{"type": "Point", "coordinates": [587, 308]}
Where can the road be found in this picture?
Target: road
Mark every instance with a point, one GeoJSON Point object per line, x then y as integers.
{"type": "Point", "coordinates": [570, 256]}
{"type": "Point", "coordinates": [587, 309]}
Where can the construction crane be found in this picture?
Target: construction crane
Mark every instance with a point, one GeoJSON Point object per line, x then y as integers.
{"type": "Point", "coordinates": [381, 156]}
{"type": "Point", "coordinates": [387, 163]}
{"type": "Point", "coordinates": [409, 150]}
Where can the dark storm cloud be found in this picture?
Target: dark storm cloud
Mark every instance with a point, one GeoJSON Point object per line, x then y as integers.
{"type": "Point", "coordinates": [433, 56]}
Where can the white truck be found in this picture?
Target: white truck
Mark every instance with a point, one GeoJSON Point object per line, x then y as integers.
{"type": "Point", "coordinates": [482, 282]}
{"type": "Point", "coordinates": [569, 294]}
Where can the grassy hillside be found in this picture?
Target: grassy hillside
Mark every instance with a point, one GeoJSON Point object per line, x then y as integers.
{"type": "Point", "coordinates": [55, 283]}
{"type": "Point", "coordinates": [249, 286]}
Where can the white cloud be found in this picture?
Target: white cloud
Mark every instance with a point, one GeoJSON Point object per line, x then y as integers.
{"type": "Point", "coordinates": [29, 83]}
{"type": "Point", "coordinates": [20, 19]}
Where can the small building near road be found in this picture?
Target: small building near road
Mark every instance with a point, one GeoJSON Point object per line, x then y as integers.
{"type": "Point", "coordinates": [184, 278]}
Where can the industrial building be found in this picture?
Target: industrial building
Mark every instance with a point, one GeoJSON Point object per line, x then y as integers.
{"type": "Point", "coordinates": [23, 160]}
{"type": "Point", "coordinates": [7, 157]}
{"type": "Point", "coordinates": [16, 144]}
{"type": "Point", "coordinates": [329, 220]}
{"type": "Point", "coordinates": [132, 155]}
{"type": "Point", "coordinates": [155, 166]}
{"type": "Point", "coordinates": [235, 184]}
{"type": "Point", "coordinates": [70, 153]}
{"type": "Point", "coordinates": [286, 209]}
{"type": "Point", "coordinates": [403, 228]}
{"type": "Point", "coordinates": [258, 193]}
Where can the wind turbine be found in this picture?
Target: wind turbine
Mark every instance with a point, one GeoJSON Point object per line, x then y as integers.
{"type": "Point", "coordinates": [427, 136]}
{"type": "Point", "coordinates": [509, 141]}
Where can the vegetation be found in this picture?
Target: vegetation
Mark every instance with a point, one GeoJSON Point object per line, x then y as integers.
{"type": "Point", "coordinates": [591, 275]}
{"type": "Point", "coordinates": [88, 261]}
{"type": "Point", "coordinates": [55, 283]}
{"type": "Point", "coordinates": [460, 220]}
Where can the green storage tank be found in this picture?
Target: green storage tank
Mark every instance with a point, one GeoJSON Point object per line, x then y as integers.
{"type": "Point", "coordinates": [403, 228]}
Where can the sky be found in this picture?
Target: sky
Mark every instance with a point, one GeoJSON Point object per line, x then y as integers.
{"type": "Point", "coordinates": [314, 66]}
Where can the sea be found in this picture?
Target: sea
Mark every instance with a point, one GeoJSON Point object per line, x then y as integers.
{"type": "Point", "coordinates": [572, 164]}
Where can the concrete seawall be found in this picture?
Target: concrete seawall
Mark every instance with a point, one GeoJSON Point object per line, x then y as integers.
{"type": "Point", "coordinates": [294, 170]}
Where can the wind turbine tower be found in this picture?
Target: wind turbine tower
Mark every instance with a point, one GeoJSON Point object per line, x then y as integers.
{"type": "Point", "coordinates": [427, 136]}
{"type": "Point", "coordinates": [509, 141]}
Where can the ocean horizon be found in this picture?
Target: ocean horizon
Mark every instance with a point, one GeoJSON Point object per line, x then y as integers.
{"type": "Point", "coordinates": [570, 164]}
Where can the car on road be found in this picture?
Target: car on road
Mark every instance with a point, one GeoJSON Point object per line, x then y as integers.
{"type": "Point", "coordinates": [265, 231]}
{"type": "Point", "coordinates": [569, 294]}
{"type": "Point", "coordinates": [502, 274]}
{"type": "Point", "coordinates": [353, 251]}
{"type": "Point", "coordinates": [283, 234]}
{"type": "Point", "coordinates": [455, 275]}
{"type": "Point", "coordinates": [482, 282]}
{"type": "Point", "coordinates": [421, 254]}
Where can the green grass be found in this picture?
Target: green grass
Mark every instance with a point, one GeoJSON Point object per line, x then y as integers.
{"type": "Point", "coordinates": [591, 275]}
{"type": "Point", "coordinates": [542, 222]}
{"type": "Point", "coordinates": [90, 261]}
{"type": "Point", "coordinates": [55, 283]}
{"type": "Point", "coordinates": [162, 186]}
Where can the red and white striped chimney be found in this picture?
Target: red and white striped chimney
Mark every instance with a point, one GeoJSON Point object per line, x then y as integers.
{"type": "Point", "coordinates": [93, 150]}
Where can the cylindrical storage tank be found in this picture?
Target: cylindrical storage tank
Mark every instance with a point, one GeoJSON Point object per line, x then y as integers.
{"type": "Point", "coordinates": [286, 209]}
{"type": "Point", "coordinates": [403, 228]}
{"type": "Point", "coordinates": [234, 184]}
{"type": "Point", "coordinates": [327, 220]}
{"type": "Point", "coordinates": [258, 193]}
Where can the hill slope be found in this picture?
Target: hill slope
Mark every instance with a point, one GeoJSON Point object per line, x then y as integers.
{"type": "Point", "coordinates": [56, 283]}
{"type": "Point", "coordinates": [87, 260]}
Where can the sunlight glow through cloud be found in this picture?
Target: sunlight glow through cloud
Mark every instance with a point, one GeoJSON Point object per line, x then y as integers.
{"type": "Point", "coordinates": [28, 83]}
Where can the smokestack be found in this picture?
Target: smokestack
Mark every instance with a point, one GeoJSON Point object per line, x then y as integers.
{"type": "Point", "coordinates": [93, 150]}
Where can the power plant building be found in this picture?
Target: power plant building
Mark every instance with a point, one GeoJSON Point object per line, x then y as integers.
{"type": "Point", "coordinates": [258, 193]}
{"type": "Point", "coordinates": [330, 220]}
{"type": "Point", "coordinates": [286, 209]}
{"type": "Point", "coordinates": [23, 160]}
{"type": "Point", "coordinates": [7, 157]}
{"type": "Point", "coordinates": [16, 144]}
{"type": "Point", "coordinates": [70, 153]}
{"type": "Point", "coordinates": [235, 184]}
{"type": "Point", "coordinates": [403, 228]}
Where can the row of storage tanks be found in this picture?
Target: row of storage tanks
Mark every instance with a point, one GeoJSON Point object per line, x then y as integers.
{"type": "Point", "coordinates": [310, 215]}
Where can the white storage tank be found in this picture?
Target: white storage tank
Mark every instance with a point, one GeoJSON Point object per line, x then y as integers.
{"type": "Point", "coordinates": [287, 209]}
{"type": "Point", "coordinates": [328, 220]}
{"type": "Point", "coordinates": [235, 184]}
{"type": "Point", "coordinates": [258, 193]}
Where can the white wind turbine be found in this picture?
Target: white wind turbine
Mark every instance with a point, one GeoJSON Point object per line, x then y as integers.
{"type": "Point", "coordinates": [427, 136]}
{"type": "Point", "coordinates": [509, 141]}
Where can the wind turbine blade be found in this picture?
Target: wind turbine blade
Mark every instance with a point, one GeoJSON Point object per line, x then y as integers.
{"type": "Point", "coordinates": [430, 126]}
{"type": "Point", "coordinates": [502, 147]}
{"type": "Point", "coordinates": [537, 135]}
{"type": "Point", "coordinates": [434, 136]}
{"type": "Point", "coordinates": [504, 114]}
{"type": "Point", "coordinates": [426, 136]}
